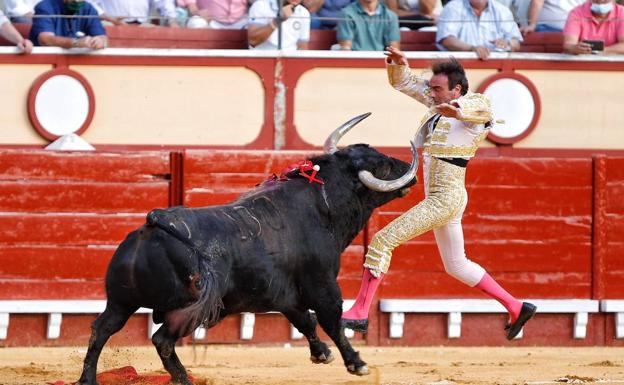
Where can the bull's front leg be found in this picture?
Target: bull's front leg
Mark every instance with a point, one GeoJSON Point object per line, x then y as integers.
{"type": "Point", "coordinates": [305, 322]}
{"type": "Point", "coordinates": [326, 300]}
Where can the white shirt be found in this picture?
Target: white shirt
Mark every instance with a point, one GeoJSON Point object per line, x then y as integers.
{"type": "Point", "coordinates": [458, 19]}
{"type": "Point", "coordinates": [3, 19]}
{"type": "Point", "coordinates": [294, 30]}
{"type": "Point", "coordinates": [414, 5]}
{"type": "Point", "coordinates": [16, 8]}
{"type": "Point", "coordinates": [555, 12]}
{"type": "Point", "coordinates": [138, 10]}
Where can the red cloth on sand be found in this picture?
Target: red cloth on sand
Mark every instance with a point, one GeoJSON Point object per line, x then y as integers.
{"type": "Point", "coordinates": [126, 376]}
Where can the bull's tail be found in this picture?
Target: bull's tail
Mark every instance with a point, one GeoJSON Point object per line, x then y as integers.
{"type": "Point", "coordinates": [198, 274]}
{"type": "Point", "coordinates": [206, 310]}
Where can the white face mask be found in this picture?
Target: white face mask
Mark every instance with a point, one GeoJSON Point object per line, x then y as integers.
{"type": "Point", "coordinates": [602, 9]}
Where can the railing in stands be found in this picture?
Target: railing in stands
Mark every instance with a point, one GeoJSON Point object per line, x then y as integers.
{"type": "Point", "coordinates": [160, 37]}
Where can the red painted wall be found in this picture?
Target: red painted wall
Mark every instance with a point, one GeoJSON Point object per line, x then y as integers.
{"type": "Point", "coordinates": [63, 214]}
{"type": "Point", "coordinates": [544, 227]}
{"type": "Point", "coordinates": [528, 222]}
{"type": "Point", "coordinates": [609, 227]}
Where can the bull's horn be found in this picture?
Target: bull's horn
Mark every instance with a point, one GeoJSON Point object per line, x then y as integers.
{"type": "Point", "coordinates": [331, 142]}
{"type": "Point", "coordinates": [390, 185]}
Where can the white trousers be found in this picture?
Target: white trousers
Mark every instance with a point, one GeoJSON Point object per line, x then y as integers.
{"type": "Point", "coordinates": [440, 211]}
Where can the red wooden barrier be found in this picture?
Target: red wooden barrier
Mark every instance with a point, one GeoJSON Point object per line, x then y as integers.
{"type": "Point", "coordinates": [609, 228]}
{"type": "Point", "coordinates": [528, 222]}
{"type": "Point", "coordinates": [64, 214]}
{"type": "Point", "coordinates": [544, 227]}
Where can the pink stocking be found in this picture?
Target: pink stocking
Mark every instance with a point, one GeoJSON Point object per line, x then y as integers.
{"type": "Point", "coordinates": [490, 287]}
{"type": "Point", "coordinates": [360, 308]}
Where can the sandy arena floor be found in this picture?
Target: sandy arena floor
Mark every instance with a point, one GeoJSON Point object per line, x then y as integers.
{"type": "Point", "coordinates": [234, 365]}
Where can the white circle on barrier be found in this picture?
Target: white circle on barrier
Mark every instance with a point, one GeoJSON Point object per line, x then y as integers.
{"type": "Point", "coordinates": [62, 105]}
{"type": "Point", "coordinates": [512, 102]}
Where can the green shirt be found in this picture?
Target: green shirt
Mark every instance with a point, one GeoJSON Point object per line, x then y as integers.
{"type": "Point", "coordinates": [366, 32]}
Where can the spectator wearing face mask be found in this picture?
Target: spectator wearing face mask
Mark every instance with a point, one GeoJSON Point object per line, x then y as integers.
{"type": "Point", "coordinates": [597, 20]}
{"type": "Point", "coordinates": [85, 31]}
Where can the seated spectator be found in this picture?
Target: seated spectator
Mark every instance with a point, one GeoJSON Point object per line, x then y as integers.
{"type": "Point", "coordinates": [549, 15]}
{"type": "Point", "coordinates": [332, 11]}
{"type": "Point", "coordinates": [9, 32]}
{"type": "Point", "coordinates": [262, 30]}
{"type": "Point", "coordinates": [83, 32]}
{"type": "Point", "coordinates": [368, 25]}
{"type": "Point", "coordinates": [595, 20]}
{"type": "Point", "coordinates": [477, 25]}
{"type": "Point", "coordinates": [120, 12]}
{"type": "Point", "coordinates": [218, 14]}
{"type": "Point", "coordinates": [20, 11]}
{"type": "Point", "coordinates": [416, 14]}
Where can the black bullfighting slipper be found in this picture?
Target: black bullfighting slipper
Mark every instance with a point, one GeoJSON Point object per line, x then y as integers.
{"type": "Point", "coordinates": [526, 313]}
{"type": "Point", "coordinates": [357, 325]}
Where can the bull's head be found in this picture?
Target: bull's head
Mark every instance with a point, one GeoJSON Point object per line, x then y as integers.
{"type": "Point", "coordinates": [365, 176]}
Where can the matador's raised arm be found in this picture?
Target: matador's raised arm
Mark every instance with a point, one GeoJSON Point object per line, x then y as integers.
{"type": "Point", "coordinates": [401, 78]}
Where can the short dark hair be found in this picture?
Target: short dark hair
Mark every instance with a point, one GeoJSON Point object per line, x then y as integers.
{"type": "Point", "coordinates": [453, 71]}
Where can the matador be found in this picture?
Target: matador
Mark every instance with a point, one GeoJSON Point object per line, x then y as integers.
{"type": "Point", "coordinates": [450, 133]}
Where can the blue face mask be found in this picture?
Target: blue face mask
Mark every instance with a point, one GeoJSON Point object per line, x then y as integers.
{"type": "Point", "coordinates": [602, 9]}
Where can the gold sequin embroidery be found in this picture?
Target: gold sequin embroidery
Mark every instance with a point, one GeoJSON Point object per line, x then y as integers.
{"type": "Point", "coordinates": [446, 197]}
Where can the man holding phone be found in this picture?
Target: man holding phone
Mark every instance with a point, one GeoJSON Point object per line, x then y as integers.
{"type": "Point", "coordinates": [595, 27]}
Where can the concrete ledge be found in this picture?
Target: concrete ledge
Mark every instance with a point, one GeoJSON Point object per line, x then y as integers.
{"type": "Point", "coordinates": [615, 306]}
{"type": "Point", "coordinates": [455, 307]}
{"type": "Point", "coordinates": [56, 308]}
{"type": "Point", "coordinates": [248, 321]}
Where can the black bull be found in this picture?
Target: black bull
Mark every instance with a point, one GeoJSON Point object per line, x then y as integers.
{"type": "Point", "coordinates": [276, 248]}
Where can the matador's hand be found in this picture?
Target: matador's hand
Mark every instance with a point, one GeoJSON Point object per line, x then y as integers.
{"type": "Point", "coordinates": [394, 55]}
{"type": "Point", "coordinates": [448, 110]}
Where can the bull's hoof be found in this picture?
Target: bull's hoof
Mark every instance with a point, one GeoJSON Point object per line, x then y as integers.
{"type": "Point", "coordinates": [322, 358]}
{"type": "Point", "coordinates": [86, 382]}
{"type": "Point", "coordinates": [182, 381]}
{"type": "Point", "coordinates": [358, 371]}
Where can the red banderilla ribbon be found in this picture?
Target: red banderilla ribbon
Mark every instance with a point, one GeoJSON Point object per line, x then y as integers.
{"type": "Point", "coordinates": [307, 166]}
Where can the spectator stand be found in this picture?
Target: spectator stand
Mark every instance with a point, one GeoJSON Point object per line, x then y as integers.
{"type": "Point", "coordinates": [172, 38]}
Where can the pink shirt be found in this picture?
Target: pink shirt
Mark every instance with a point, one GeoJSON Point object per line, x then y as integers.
{"type": "Point", "coordinates": [223, 11]}
{"type": "Point", "coordinates": [581, 23]}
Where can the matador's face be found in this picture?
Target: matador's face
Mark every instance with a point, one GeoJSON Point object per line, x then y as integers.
{"type": "Point", "coordinates": [439, 90]}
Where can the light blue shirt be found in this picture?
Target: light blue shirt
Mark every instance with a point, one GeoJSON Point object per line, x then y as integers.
{"type": "Point", "coordinates": [459, 20]}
